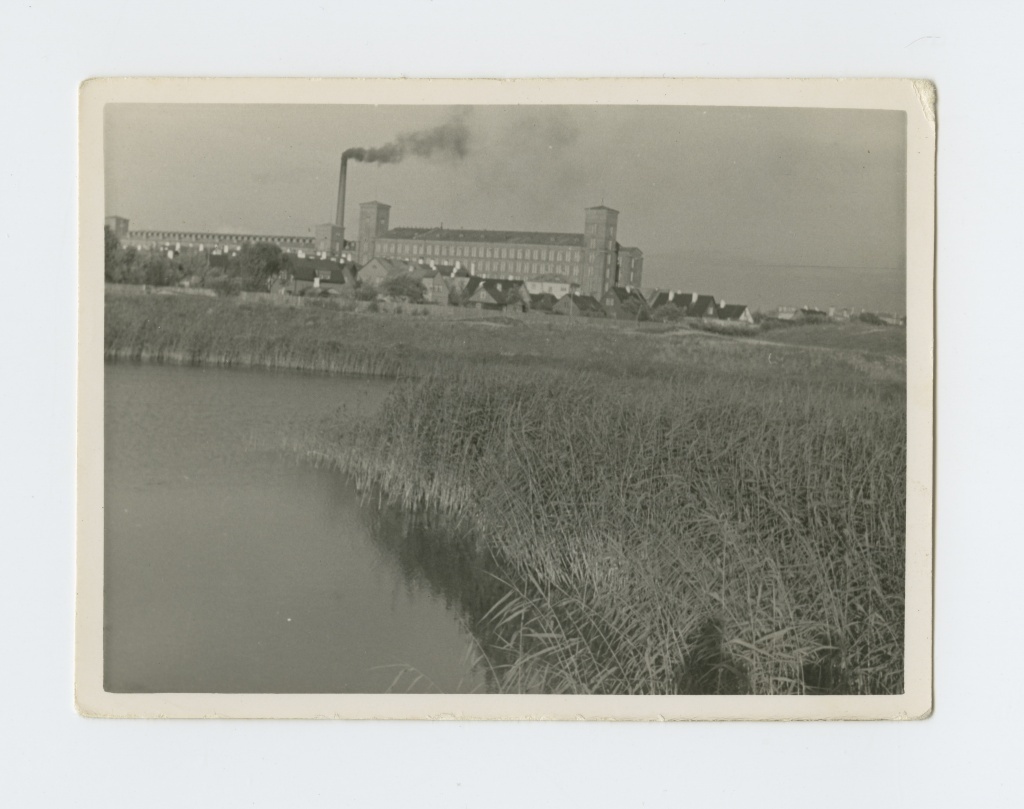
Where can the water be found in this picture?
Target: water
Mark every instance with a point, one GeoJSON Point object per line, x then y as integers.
{"type": "Point", "coordinates": [231, 568]}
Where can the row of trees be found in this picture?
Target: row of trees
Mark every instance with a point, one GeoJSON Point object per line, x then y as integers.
{"type": "Point", "coordinates": [254, 268]}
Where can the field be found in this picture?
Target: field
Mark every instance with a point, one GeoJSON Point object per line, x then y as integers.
{"type": "Point", "coordinates": [656, 510]}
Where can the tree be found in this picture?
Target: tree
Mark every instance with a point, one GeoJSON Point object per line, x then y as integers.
{"type": "Point", "coordinates": [156, 269]}
{"type": "Point", "coordinates": [195, 266]}
{"type": "Point", "coordinates": [111, 255]}
{"type": "Point", "coordinates": [403, 287]}
{"type": "Point", "coordinates": [258, 264]}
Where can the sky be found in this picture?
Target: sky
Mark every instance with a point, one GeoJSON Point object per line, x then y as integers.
{"type": "Point", "coordinates": [767, 206]}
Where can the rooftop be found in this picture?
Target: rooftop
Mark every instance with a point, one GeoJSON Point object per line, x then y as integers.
{"type": "Point", "coordinates": [483, 236]}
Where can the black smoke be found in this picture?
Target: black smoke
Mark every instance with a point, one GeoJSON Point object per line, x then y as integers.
{"type": "Point", "coordinates": [450, 140]}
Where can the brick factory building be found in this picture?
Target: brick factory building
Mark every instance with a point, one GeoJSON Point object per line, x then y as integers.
{"type": "Point", "coordinates": [593, 258]}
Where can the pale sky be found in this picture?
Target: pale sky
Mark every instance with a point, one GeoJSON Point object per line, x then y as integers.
{"type": "Point", "coordinates": [762, 203]}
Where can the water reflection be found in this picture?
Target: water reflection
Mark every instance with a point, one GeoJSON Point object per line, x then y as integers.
{"type": "Point", "coordinates": [231, 568]}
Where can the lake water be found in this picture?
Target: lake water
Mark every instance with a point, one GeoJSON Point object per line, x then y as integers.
{"type": "Point", "coordinates": [232, 568]}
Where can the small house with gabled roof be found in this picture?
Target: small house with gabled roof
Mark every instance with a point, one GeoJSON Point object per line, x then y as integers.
{"type": "Point", "coordinates": [703, 306]}
{"type": "Point", "coordinates": [671, 297]}
{"type": "Point", "coordinates": [578, 305]}
{"type": "Point", "coordinates": [735, 312]}
{"type": "Point", "coordinates": [320, 273]}
{"type": "Point", "coordinates": [377, 270]}
{"type": "Point", "coordinates": [624, 302]}
{"type": "Point", "coordinates": [491, 293]}
{"type": "Point", "coordinates": [542, 302]}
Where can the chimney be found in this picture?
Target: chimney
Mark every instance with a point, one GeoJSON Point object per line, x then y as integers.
{"type": "Point", "coordinates": [339, 214]}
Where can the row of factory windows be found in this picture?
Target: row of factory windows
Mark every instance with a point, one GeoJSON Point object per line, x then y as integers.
{"type": "Point", "coordinates": [388, 248]}
{"type": "Point", "coordinates": [154, 237]}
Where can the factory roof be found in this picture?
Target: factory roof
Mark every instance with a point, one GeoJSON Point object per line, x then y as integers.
{"type": "Point", "coordinates": [492, 236]}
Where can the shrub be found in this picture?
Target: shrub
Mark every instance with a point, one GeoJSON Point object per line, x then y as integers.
{"type": "Point", "coordinates": [667, 313]}
{"type": "Point", "coordinates": [402, 287]}
{"type": "Point", "coordinates": [872, 318]}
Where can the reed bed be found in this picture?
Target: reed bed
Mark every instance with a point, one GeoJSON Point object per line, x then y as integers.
{"type": "Point", "coordinates": [191, 331]}
{"type": "Point", "coordinates": [635, 511]}
{"type": "Point", "coordinates": [711, 535]}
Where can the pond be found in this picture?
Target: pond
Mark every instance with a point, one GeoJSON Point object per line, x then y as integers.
{"type": "Point", "coordinates": [232, 567]}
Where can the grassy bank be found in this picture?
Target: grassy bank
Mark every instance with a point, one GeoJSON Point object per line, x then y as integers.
{"type": "Point", "coordinates": [722, 535]}
{"type": "Point", "coordinates": [323, 337]}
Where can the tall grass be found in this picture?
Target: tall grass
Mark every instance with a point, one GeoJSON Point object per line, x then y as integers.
{"type": "Point", "coordinates": [192, 331]}
{"type": "Point", "coordinates": [719, 534]}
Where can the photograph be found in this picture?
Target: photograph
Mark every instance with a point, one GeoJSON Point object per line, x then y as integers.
{"type": "Point", "coordinates": [533, 399]}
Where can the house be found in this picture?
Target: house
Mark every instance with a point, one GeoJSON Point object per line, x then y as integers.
{"type": "Point", "coordinates": [542, 302]}
{"type": "Point", "coordinates": [490, 293]}
{"type": "Point", "coordinates": [784, 313]}
{"type": "Point", "coordinates": [446, 279]}
{"type": "Point", "coordinates": [703, 306]}
{"type": "Point", "coordinates": [624, 302]}
{"type": "Point", "coordinates": [377, 270]}
{"type": "Point", "coordinates": [667, 297]}
{"type": "Point", "coordinates": [736, 312]}
{"type": "Point", "coordinates": [551, 283]}
{"type": "Point", "coordinates": [321, 274]}
{"type": "Point", "coordinates": [578, 305]}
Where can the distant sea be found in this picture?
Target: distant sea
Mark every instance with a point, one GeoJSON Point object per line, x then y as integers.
{"type": "Point", "coordinates": [766, 287]}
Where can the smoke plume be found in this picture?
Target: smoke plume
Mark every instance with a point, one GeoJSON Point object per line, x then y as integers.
{"type": "Point", "coordinates": [449, 140]}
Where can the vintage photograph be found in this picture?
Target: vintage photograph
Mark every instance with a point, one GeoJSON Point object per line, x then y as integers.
{"type": "Point", "coordinates": [502, 394]}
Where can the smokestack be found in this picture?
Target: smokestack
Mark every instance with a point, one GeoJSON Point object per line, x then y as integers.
{"type": "Point", "coordinates": [339, 215]}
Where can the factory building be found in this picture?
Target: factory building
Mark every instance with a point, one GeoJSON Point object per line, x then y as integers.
{"type": "Point", "coordinates": [593, 259]}
{"type": "Point", "coordinates": [196, 240]}
{"type": "Point", "coordinates": [590, 262]}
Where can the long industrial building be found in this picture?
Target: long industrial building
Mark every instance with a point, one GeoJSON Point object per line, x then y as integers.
{"type": "Point", "coordinates": [593, 258]}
